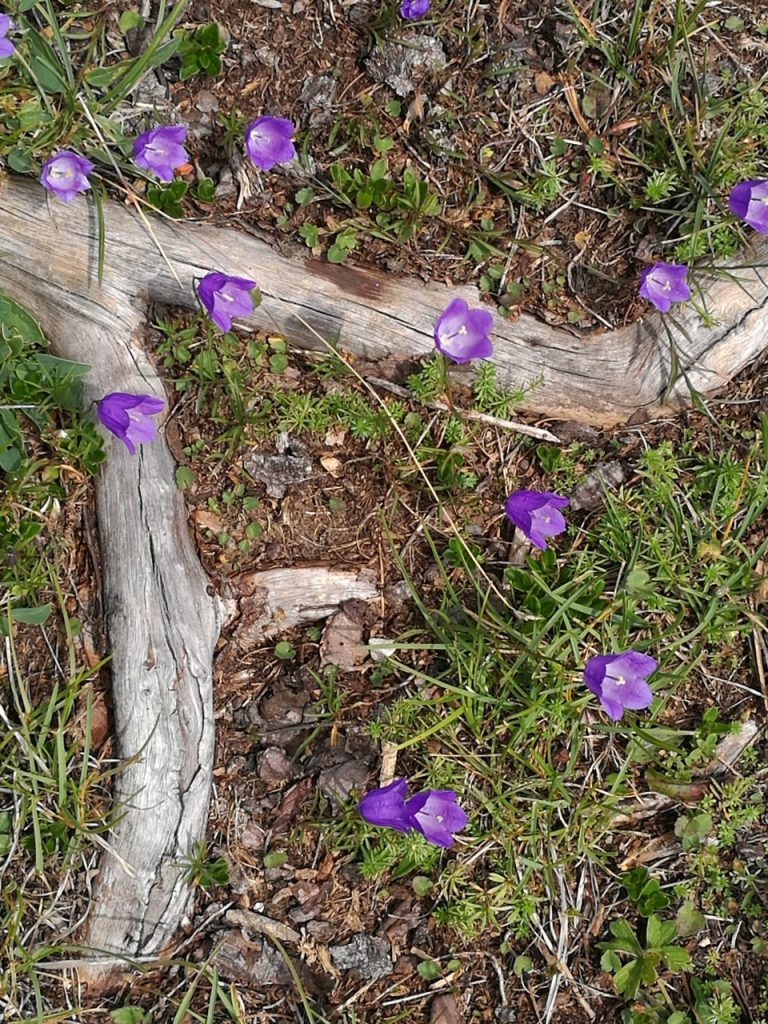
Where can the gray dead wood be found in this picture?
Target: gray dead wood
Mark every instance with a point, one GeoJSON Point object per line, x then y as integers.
{"type": "Point", "coordinates": [604, 379]}
{"type": "Point", "coordinates": [162, 622]}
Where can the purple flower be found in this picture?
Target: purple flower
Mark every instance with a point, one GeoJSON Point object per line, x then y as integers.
{"type": "Point", "coordinates": [619, 681]}
{"type": "Point", "coordinates": [433, 812]}
{"type": "Point", "coordinates": [749, 201]}
{"type": "Point", "coordinates": [537, 514]}
{"type": "Point", "coordinates": [461, 333]}
{"type": "Point", "coordinates": [160, 150]}
{"type": "Point", "coordinates": [6, 46]}
{"type": "Point", "coordinates": [127, 416]}
{"type": "Point", "coordinates": [664, 283]}
{"type": "Point", "coordinates": [64, 173]}
{"type": "Point", "coordinates": [414, 8]}
{"type": "Point", "coordinates": [268, 141]}
{"type": "Point", "coordinates": [224, 297]}
{"type": "Point", "coordinates": [386, 806]}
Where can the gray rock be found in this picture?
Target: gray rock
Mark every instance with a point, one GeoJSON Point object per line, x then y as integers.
{"type": "Point", "coordinates": [366, 955]}
{"type": "Point", "coordinates": [403, 65]}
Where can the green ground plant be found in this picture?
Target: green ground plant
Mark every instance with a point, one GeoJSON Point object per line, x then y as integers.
{"type": "Point", "coordinates": [48, 448]}
{"type": "Point", "coordinates": [54, 812]}
{"type": "Point", "coordinates": [503, 700]}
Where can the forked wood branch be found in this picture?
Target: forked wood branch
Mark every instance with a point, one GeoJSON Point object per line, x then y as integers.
{"type": "Point", "coordinates": [603, 379]}
{"type": "Point", "coordinates": [162, 622]}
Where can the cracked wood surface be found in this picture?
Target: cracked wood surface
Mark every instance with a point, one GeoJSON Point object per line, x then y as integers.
{"type": "Point", "coordinates": [162, 622]}
{"type": "Point", "coordinates": [604, 379]}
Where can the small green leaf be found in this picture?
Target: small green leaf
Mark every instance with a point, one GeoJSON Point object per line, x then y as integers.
{"type": "Point", "coordinates": [336, 253]}
{"type": "Point", "coordinates": [15, 320]}
{"type": "Point", "coordinates": [31, 616]}
{"type": "Point", "coordinates": [378, 170]}
{"type": "Point", "coordinates": [659, 933]}
{"type": "Point", "coordinates": [101, 78]}
{"type": "Point", "coordinates": [253, 530]}
{"type": "Point", "coordinates": [275, 859]}
{"type": "Point", "coordinates": [205, 191]}
{"type": "Point", "coordinates": [626, 938]}
{"type": "Point", "coordinates": [128, 1015]}
{"type": "Point", "coordinates": [522, 964]}
{"type": "Point", "coordinates": [284, 650]}
{"type": "Point", "coordinates": [20, 161]}
{"type": "Point", "coordinates": [429, 970]}
{"type": "Point", "coordinates": [310, 235]}
{"type": "Point", "coordinates": [184, 477]}
{"type": "Point", "coordinates": [676, 958]}
{"type": "Point", "coordinates": [129, 20]}
{"type": "Point", "coordinates": [689, 920]}
{"type": "Point", "coordinates": [610, 961]}
{"type": "Point", "coordinates": [628, 979]}
{"type": "Point", "coordinates": [422, 885]}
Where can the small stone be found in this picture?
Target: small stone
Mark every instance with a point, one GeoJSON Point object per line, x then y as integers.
{"type": "Point", "coordinates": [274, 766]}
{"type": "Point", "coordinates": [226, 186]}
{"type": "Point", "coordinates": [366, 955]}
{"type": "Point", "coordinates": [206, 102]}
{"type": "Point", "coordinates": [402, 66]}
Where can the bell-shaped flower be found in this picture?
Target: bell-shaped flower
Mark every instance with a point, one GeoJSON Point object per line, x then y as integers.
{"type": "Point", "coordinates": [461, 333]}
{"type": "Point", "coordinates": [537, 514]}
{"type": "Point", "coordinates": [127, 416]}
{"type": "Point", "coordinates": [268, 141]}
{"type": "Point", "coordinates": [160, 150]}
{"type": "Point", "coordinates": [664, 283]}
{"type": "Point", "coordinates": [386, 806]}
{"type": "Point", "coordinates": [223, 297]}
{"type": "Point", "coordinates": [619, 681]}
{"type": "Point", "coordinates": [749, 202]}
{"type": "Point", "coordinates": [65, 174]}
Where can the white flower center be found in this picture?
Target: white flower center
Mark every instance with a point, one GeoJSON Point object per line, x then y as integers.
{"type": "Point", "coordinates": [620, 680]}
{"type": "Point", "coordinates": [61, 173]}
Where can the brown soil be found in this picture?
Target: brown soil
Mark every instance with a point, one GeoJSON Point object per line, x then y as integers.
{"type": "Point", "coordinates": [503, 99]}
{"type": "Point", "coordinates": [284, 765]}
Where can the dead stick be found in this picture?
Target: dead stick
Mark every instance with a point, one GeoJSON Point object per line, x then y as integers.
{"type": "Point", "coordinates": [467, 414]}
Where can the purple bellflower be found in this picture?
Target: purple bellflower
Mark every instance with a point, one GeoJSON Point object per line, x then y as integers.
{"type": "Point", "coordinates": [224, 297]}
{"type": "Point", "coordinates": [6, 46]}
{"type": "Point", "coordinates": [413, 8]}
{"type": "Point", "coordinates": [65, 174]}
{"type": "Point", "coordinates": [461, 333]}
{"type": "Point", "coordinates": [386, 806]}
{"type": "Point", "coordinates": [537, 514]}
{"type": "Point", "coordinates": [664, 283]}
{"type": "Point", "coordinates": [127, 416]}
{"type": "Point", "coordinates": [160, 150]}
{"type": "Point", "coordinates": [433, 812]}
{"type": "Point", "coordinates": [619, 681]}
{"type": "Point", "coordinates": [268, 141]}
{"type": "Point", "coordinates": [749, 201]}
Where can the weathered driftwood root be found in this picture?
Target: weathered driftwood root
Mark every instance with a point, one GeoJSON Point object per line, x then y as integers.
{"type": "Point", "coordinates": [603, 379]}
{"type": "Point", "coordinates": [162, 622]}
